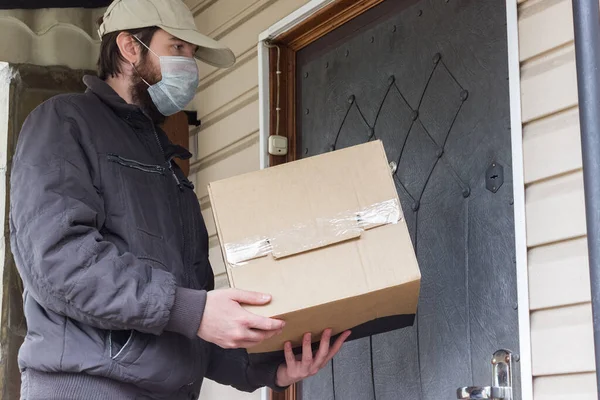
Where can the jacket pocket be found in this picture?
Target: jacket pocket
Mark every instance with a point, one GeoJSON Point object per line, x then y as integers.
{"type": "Point", "coordinates": [144, 190]}
{"type": "Point", "coordinates": [125, 347]}
{"type": "Point", "coordinates": [150, 168]}
{"type": "Point", "coordinates": [166, 363]}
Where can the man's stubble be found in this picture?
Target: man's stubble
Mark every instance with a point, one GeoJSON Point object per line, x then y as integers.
{"type": "Point", "coordinates": [139, 89]}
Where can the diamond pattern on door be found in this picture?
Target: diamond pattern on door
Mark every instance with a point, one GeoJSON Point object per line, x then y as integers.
{"type": "Point", "coordinates": [410, 129]}
{"type": "Point", "coordinates": [429, 79]}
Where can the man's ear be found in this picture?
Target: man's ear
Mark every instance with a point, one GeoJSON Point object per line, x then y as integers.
{"type": "Point", "coordinates": [129, 47]}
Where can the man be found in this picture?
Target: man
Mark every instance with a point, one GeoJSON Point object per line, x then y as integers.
{"type": "Point", "coordinates": [108, 237]}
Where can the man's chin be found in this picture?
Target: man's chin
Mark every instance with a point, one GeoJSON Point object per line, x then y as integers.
{"type": "Point", "coordinates": [142, 98]}
{"type": "Point", "coordinates": [153, 113]}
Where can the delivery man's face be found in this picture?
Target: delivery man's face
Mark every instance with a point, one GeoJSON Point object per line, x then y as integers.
{"type": "Point", "coordinates": [164, 44]}
{"type": "Point", "coordinates": [148, 70]}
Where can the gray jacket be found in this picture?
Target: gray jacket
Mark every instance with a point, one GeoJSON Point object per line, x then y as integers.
{"type": "Point", "coordinates": [109, 240]}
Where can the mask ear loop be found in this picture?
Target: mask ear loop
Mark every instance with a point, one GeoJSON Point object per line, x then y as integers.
{"type": "Point", "coordinates": [134, 67]}
{"type": "Point", "coordinates": [140, 75]}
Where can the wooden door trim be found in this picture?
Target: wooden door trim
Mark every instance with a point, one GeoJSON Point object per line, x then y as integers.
{"type": "Point", "coordinates": [324, 21]}
{"type": "Point", "coordinates": [287, 45]}
{"type": "Point", "coordinates": [290, 394]}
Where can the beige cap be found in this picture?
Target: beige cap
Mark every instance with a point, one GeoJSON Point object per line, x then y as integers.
{"type": "Point", "coordinates": [174, 17]}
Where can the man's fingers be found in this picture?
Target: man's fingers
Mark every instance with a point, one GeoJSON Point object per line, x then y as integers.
{"type": "Point", "coordinates": [246, 297]}
{"type": "Point", "coordinates": [307, 355]}
{"type": "Point", "coordinates": [290, 359]}
{"type": "Point", "coordinates": [323, 349]}
{"type": "Point", "coordinates": [257, 336]}
{"type": "Point", "coordinates": [270, 334]}
{"type": "Point", "coordinates": [264, 323]}
{"type": "Point", "coordinates": [337, 345]}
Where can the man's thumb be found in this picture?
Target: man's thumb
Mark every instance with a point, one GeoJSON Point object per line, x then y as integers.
{"type": "Point", "coordinates": [253, 298]}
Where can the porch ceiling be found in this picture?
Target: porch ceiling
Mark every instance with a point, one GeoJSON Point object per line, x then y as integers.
{"type": "Point", "coordinates": [31, 4]}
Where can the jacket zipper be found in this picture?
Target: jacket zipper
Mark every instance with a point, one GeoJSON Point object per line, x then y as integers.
{"type": "Point", "coordinates": [181, 222]}
{"type": "Point", "coordinates": [155, 169]}
{"type": "Point", "coordinates": [162, 151]}
{"type": "Point", "coordinates": [169, 164]}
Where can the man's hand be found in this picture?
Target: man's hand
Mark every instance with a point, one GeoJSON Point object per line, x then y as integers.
{"type": "Point", "coordinates": [296, 370]}
{"type": "Point", "coordinates": [226, 324]}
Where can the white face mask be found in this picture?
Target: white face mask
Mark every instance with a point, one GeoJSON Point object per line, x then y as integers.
{"type": "Point", "coordinates": [178, 84]}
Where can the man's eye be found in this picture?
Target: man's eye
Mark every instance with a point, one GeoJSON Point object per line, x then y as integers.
{"type": "Point", "coordinates": [177, 46]}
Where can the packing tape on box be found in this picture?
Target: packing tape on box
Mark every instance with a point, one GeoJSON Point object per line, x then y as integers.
{"type": "Point", "coordinates": [314, 234]}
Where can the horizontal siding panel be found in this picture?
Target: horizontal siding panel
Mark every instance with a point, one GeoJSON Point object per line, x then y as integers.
{"type": "Point", "coordinates": [555, 210]}
{"type": "Point", "coordinates": [543, 26]}
{"type": "Point", "coordinates": [245, 36]}
{"type": "Point", "coordinates": [559, 275]}
{"type": "Point", "coordinates": [220, 12]}
{"type": "Point", "coordinates": [242, 162]}
{"type": "Point", "coordinates": [226, 152]}
{"type": "Point", "coordinates": [194, 4]}
{"type": "Point", "coordinates": [222, 282]}
{"type": "Point", "coordinates": [216, 260]}
{"type": "Point", "coordinates": [549, 84]}
{"type": "Point", "coordinates": [552, 146]}
{"type": "Point", "coordinates": [562, 340]}
{"type": "Point", "coordinates": [230, 108]}
{"type": "Point", "coordinates": [565, 387]}
{"type": "Point", "coordinates": [227, 89]}
{"type": "Point", "coordinates": [227, 131]}
{"type": "Point", "coordinates": [209, 221]}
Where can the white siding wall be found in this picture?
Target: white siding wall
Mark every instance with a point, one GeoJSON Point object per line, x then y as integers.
{"type": "Point", "coordinates": [561, 319]}
{"type": "Point", "coordinates": [227, 104]}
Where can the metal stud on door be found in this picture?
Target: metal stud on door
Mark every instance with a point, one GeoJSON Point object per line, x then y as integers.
{"type": "Point", "coordinates": [501, 388]}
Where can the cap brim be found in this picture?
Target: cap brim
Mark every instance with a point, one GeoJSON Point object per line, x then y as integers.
{"type": "Point", "coordinates": [209, 50]}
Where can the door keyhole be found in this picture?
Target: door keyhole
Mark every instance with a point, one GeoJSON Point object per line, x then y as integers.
{"type": "Point", "coordinates": [494, 177]}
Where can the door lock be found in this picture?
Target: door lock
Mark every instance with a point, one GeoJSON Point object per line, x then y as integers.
{"type": "Point", "coordinates": [501, 388]}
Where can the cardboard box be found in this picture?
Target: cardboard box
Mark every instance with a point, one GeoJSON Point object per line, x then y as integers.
{"type": "Point", "coordinates": [326, 237]}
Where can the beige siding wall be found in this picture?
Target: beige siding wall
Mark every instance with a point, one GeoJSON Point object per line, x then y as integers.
{"type": "Point", "coordinates": [561, 319]}
{"type": "Point", "coordinates": [227, 104]}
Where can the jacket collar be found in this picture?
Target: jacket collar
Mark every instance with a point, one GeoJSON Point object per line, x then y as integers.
{"type": "Point", "coordinates": [131, 113]}
{"type": "Point", "coordinates": [111, 98]}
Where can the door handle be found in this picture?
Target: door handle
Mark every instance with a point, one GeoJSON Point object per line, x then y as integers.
{"type": "Point", "coordinates": [475, 392]}
{"type": "Point", "coordinates": [501, 388]}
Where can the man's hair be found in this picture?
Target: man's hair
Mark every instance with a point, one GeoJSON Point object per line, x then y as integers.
{"type": "Point", "coordinates": [110, 59]}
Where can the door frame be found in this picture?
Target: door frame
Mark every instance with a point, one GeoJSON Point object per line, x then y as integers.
{"type": "Point", "coordinates": [314, 20]}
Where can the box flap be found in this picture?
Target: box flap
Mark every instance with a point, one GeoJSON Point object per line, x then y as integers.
{"type": "Point", "coordinates": [269, 211]}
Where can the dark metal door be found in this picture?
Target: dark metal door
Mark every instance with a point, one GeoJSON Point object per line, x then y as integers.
{"type": "Point", "coordinates": [430, 79]}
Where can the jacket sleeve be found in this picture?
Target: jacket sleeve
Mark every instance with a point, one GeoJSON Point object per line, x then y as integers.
{"type": "Point", "coordinates": [66, 264]}
{"type": "Point", "coordinates": [242, 371]}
